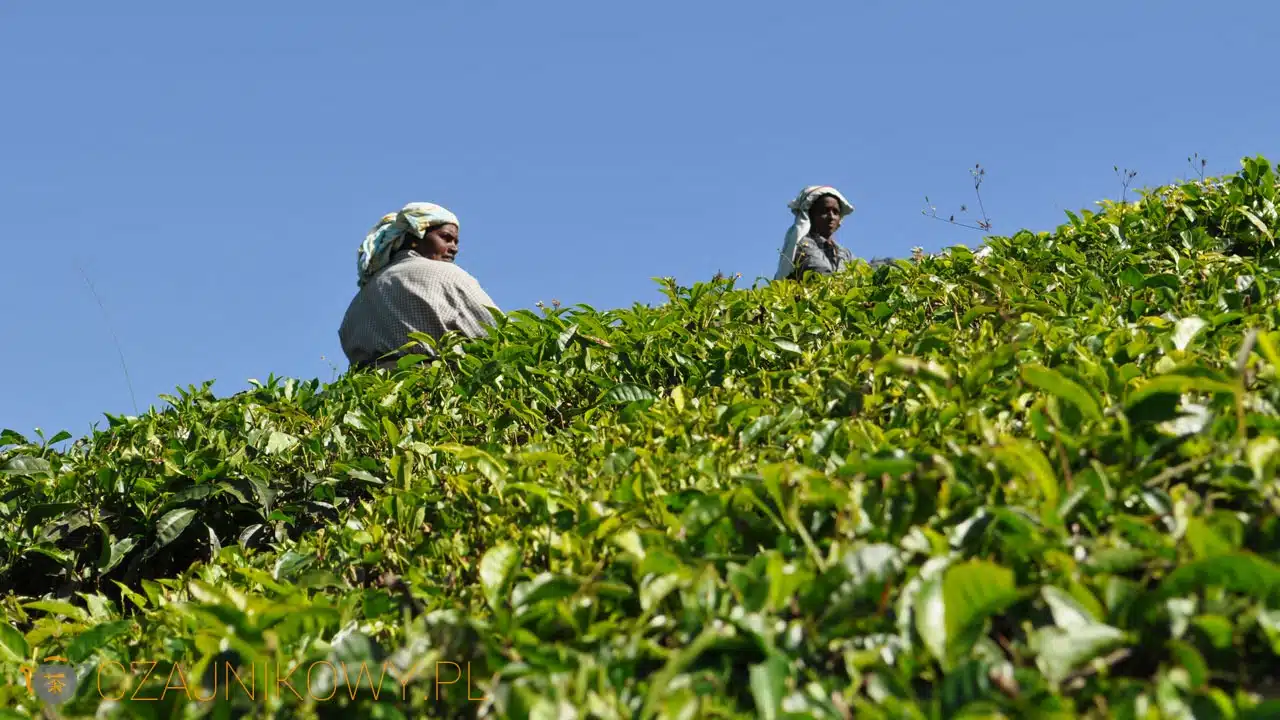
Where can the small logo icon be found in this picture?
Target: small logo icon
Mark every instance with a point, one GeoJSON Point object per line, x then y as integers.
{"type": "Point", "coordinates": [53, 683]}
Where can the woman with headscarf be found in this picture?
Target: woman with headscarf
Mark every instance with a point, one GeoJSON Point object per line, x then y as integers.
{"type": "Point", "coordinates": [409, 283]}
{"type": "Point", "coordinates": [810, 244]}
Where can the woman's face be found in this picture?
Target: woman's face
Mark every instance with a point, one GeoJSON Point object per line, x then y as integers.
{"type": "Point", "coordinates": [824, 216]}
{"type": "Point", "coordinates": [440, 243]}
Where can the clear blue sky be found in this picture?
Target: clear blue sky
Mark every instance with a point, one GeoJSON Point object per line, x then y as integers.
{"type": "Point", "coordinates": [213, 171]}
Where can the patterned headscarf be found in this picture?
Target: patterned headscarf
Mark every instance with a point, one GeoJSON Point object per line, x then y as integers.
{"type": "Point", "coordinates": [800, 228]}
{"type": "Point", "coordinates": [389, 234]}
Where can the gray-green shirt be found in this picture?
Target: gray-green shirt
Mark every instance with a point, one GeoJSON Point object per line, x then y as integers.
{"type": "Point", "coordinates": [412, 294]}
{"type": "Point", "coordinates": [820, 256]}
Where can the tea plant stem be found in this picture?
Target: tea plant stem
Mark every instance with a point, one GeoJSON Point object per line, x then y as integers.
{"type": "Point", "coordinates": [808, 542]}
{"type": "Point", "coordinates": [1066, 465]}
{"type": "Point", "coordinates": [1170, 473]}
{"type": "Point", "coordinates": [1242, 366]}
{"type": "Point", "coordinates": [1242, 427]}
{"type": "Point", "coordinates": [1076, 681]}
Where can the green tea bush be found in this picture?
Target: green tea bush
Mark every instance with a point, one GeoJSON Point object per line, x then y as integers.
{"type": "Point", "coordinates": [1037, 481]}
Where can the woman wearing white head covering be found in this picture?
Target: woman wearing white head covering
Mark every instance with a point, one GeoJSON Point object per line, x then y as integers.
{"type": "Point", "coordinates": [409, 283]}
{"type": "Point", "coordinates": [810, 243]}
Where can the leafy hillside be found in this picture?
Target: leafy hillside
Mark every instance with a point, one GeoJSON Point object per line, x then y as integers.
{"type": "Point", "coordinates": [1034, 482]}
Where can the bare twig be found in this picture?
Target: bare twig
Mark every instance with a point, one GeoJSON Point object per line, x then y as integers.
{"type": "Point", "coordinates": [1197, 170]}
{"type": "Point", "coordinates": [978, 174]}
{"type": "Point", "coordinates": [984, 224]}
{"type": "Point", "coordinates": [1126, 176]}
{"type": "Point", "coordinates": [953, 222]}
{"type": "Point", "coordinates": [110, 329]}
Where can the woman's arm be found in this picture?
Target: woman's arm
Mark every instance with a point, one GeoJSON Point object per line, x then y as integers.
{"type": "Point", "coordinates": [435, 297]}
{"type": "Point", "coordinates": [468, 303]}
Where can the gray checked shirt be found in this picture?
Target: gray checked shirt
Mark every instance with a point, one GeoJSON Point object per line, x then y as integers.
{"type": "Point", "coordinates": [412, 294]}
{"type": "Point", "coordinates": [820, 257]}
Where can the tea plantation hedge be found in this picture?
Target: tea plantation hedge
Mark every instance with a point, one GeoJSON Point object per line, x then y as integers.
{"type": "Point", "coordinates": [1033, 482]}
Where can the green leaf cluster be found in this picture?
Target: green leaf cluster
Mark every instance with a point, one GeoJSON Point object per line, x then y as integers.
{"type": "Point", "coordinates": [1035, 481]}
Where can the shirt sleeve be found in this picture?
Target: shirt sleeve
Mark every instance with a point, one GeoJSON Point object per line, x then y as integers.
{"type": "Point", "coordinates": [846, 255]}
{"type": "Point", "coordinates": [448, 299]}
{"type": "Point", "coordinates": [468, 304]}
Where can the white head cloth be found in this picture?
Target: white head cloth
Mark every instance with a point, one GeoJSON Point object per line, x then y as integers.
{"type": "Point", "coordinates": [389, 234]}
